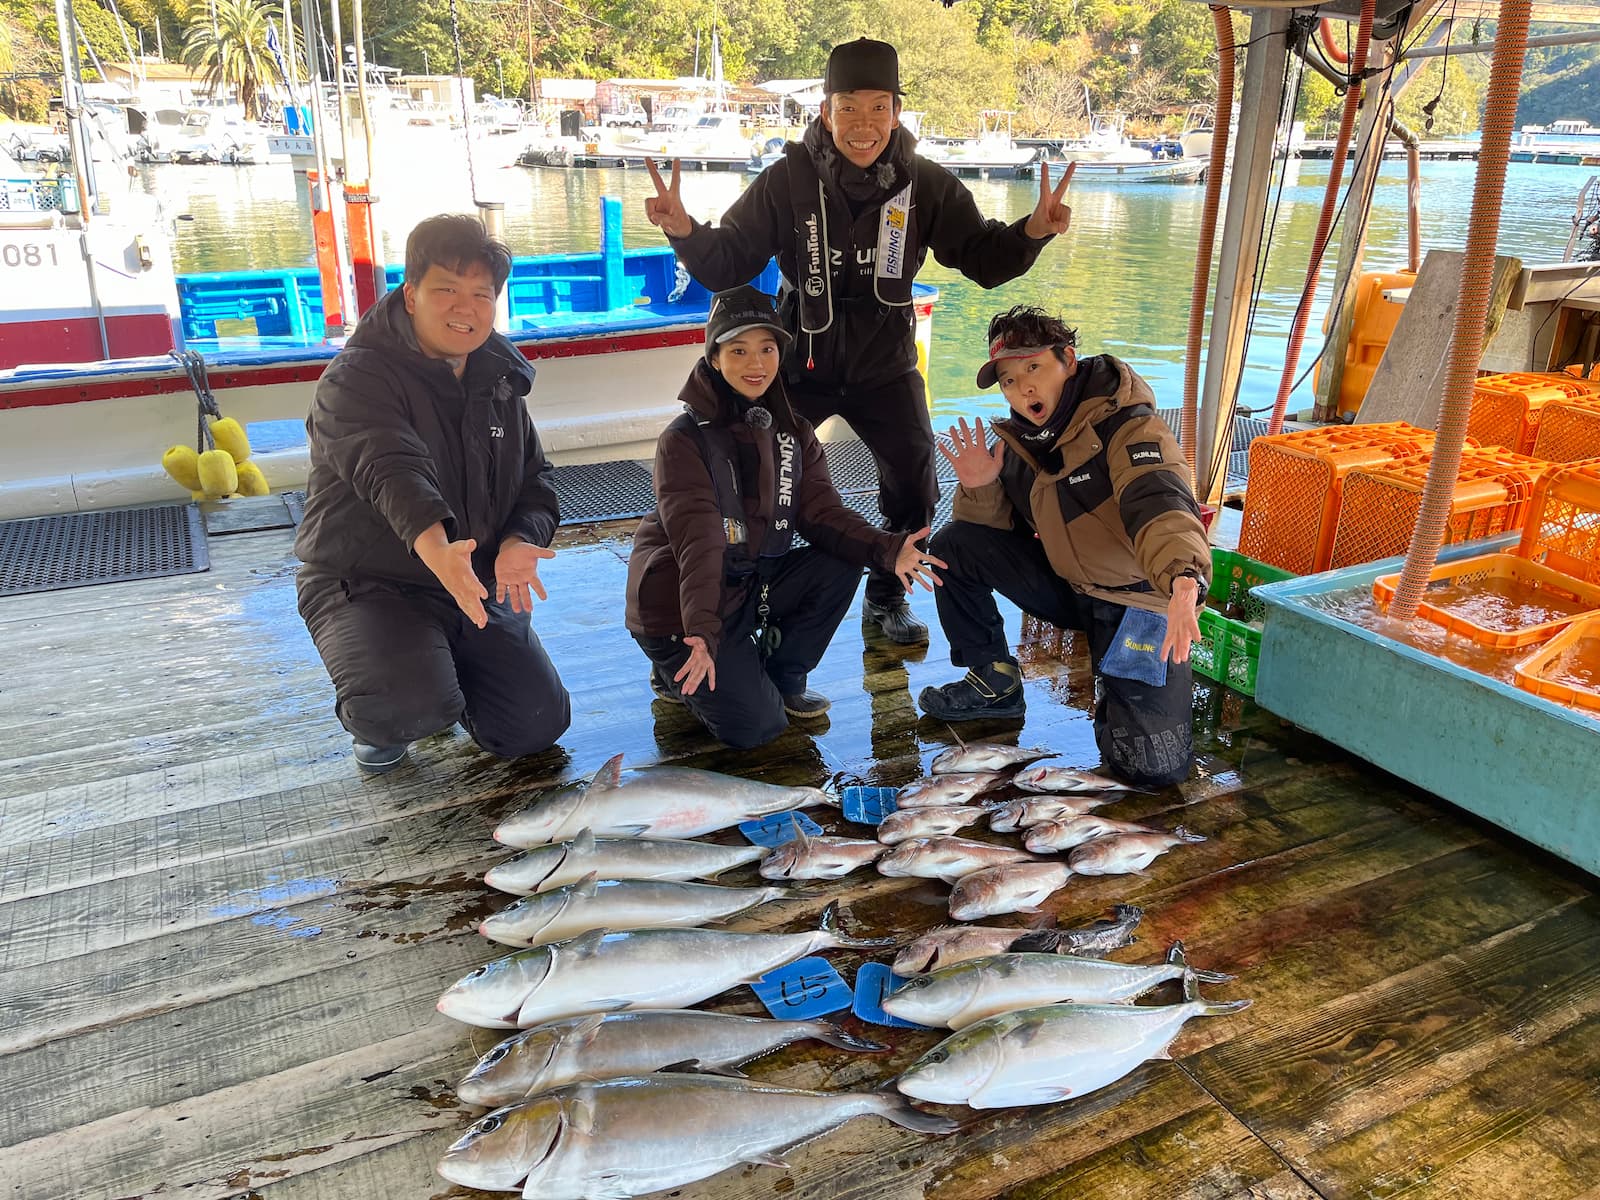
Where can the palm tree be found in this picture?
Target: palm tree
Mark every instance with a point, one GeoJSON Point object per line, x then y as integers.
{"type": "Point", "coordinates": [230, 45]}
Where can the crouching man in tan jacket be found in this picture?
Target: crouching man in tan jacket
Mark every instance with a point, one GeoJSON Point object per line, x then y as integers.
{"type": "Point", "coordinates": [1080, 514]}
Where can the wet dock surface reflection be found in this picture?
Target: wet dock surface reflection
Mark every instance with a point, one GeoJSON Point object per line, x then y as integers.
{"type": "Point", "coordinates": [220, 948]}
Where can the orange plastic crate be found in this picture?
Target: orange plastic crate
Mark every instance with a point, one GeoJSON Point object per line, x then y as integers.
{"type": "Point", "coordinates": [1506, 409]}
{"type": "Point", "coordinates": [1569, 430]}
{"type": "Point", "coordinates": [1506, 573]}
{"type": "Point", "coordinates": [1563, 527]}
{"type": "Point", "coordinates": [1379, 507]}
{"type": "Point", "coordinates": [1566, 669]}
{"type": "Point", "coordinates": [1291, 506]}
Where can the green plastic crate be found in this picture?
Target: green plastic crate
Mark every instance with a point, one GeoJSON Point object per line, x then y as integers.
{"type": "Point", "coordinates": [1229, 649]}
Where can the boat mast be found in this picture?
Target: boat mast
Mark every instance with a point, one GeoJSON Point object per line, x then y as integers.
{"type": "Point", "coordinates": [81, 161]}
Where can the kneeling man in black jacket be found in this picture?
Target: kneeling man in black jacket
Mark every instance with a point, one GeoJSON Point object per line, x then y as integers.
{"type": "Point", "coordinates": [428, 481]}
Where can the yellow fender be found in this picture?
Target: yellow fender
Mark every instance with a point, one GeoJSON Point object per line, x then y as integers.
{"type": "Point", "coordinates": [229, 435]}
{"type": "Point", "coordinates": [219, 474]}
{"type": "Point", "coordinates": [251, 481]}
{"type": "Point", "coordinates": [183, 464]}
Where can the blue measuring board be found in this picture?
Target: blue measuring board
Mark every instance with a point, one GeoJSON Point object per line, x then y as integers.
{"type": "Point", "coordinates": [868, 805]}
{"type": "Point", "coordinates": [874, 981]}
{"type": "Point", "coordinates": [778, 828]}
{"type": "Point", "coordinates": [807, 988]}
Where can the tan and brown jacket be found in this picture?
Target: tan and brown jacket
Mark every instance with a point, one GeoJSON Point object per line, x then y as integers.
{"type": "Point", "coordinates": [1119, 519]}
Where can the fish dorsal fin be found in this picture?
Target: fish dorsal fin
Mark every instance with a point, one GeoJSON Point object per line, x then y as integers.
{"type": "Point", "coordinates": [587, 887]}
{"type": "Point", "coordinates": [586, 1030]}
{"type": "Point", "coordinates": [608, 776]}
{"type": "Point", "coordinates": [584, 945]}
{"type": "Point", "coordinates": [801, 839]}
{"type": "Point", "coordinates": [583, 841]}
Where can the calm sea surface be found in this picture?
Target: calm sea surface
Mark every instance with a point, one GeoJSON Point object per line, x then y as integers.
{"type": "Point", "coordinates": [1122, 275]}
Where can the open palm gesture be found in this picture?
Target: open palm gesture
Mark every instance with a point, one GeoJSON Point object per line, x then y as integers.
{"type": "Point", "coordinates": [1051, 215]}
{"type": "Point", "coordinates": [975, 465]}
{"type": "Point", "coordinates": [665, 209]}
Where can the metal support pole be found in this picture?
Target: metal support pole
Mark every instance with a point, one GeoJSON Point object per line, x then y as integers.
{"type": "Point", "coordinates": [493, 215]}
{"type": "Point", "coordinates": [1259, 100]}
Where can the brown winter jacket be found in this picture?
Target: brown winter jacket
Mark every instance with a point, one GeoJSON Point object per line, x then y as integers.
{"type": "Point", "coordinates": [676, 578]}
{"type": "Point", "coordinates": [1120, 513]}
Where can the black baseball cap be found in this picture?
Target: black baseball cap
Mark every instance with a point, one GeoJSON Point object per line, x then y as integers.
{"type": "Point", "coordinates": [739, 310]}
{"type": "Point", "coordinates": [862, 66]}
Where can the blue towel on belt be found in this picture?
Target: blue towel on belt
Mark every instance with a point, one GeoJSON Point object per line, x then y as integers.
{"type": "Point", "coordinates": [1136, 650]}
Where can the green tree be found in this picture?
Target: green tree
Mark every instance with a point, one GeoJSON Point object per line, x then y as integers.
{"type": "Point", "coordinates": [1181, 43]}
{"type": "Point", "coordinates": [232, 51]}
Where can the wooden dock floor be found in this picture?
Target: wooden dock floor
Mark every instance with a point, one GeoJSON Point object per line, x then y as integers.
{"type": "Point", "coordinates": [222, 947]}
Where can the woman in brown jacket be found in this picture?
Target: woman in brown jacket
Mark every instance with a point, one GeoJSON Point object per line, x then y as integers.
{"type": "Point", "coordinates": [731, 614]}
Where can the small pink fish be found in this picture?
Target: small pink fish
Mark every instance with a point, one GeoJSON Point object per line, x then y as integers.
{"type": "Point", "coordinates": [1127, 853]}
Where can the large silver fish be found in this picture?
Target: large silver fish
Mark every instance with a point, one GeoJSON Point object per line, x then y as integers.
{"type": "Point", "coordinates": [1042, 1055]}
{"type": "Point", "coordinates": [959, 995]}
{"type": "Point", "coordinates": [618, 904]}
{"type": "Point", "coordinates": [1066, 780]}
{"type": "Point", "coordinates": [804, 857]}
{"type": "Point", "coordinates": [1031, 810]}
{"type": "Point", "coordinates": [633, 1136]}
{"type": "Point", "coordinates": [651, 802]}
{"type": "Point", "coordinates": [607, 1046]}
{"type": "Point", "coordinates": [645, 968]}
{"type": "Point", "coordinates": [947, 858]}
{"type": "Point", "coordinates": [958, 943]}
{"type": "Point", "coordinates": [1125, 854]}
{"type": "Point", "coordinates": [941, 790]}
{"type": "Point", "coordinates": [1020, 887]}
{"type": "Point", "coordinates": [546, 867]}
{"type": "Point", "coordinates": [1051, 837]}
{"type": "Point", "coordinates": [936, 821]}
{"type": "Point", "coordinates": [986, 756]}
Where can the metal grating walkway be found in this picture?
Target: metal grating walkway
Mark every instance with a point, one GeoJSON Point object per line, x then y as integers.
{"type": "Point", "coordinates": [43, 554]}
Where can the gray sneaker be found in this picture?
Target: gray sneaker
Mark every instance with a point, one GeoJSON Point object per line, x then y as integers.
{"type": "Point", "coordinates": [806, 705]}
{"type": "Point", "coordinates": [380, 760]}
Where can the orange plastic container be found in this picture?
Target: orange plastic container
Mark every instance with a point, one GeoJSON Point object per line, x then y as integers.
{"type": "Point", "coordinates": [1379, 507]}
{"type": "Point", "coordinates": [1563, 527]}
{"type": "Point", "coordinates": [1371, 327]}
{"type": "Point", "coordinates": [1506, 409]}
{"type": "Point", "coordinates": [1505, 581]}
{"type": "Point", "coordinates": [1569, 430]}
{"type": "Point", "coordinates": [1566, 669]}
{"type": "Point", "coordinates": [1291, 506]}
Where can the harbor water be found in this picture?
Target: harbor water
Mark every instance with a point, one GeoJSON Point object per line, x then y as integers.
{"type": "Point", "coordinates": [1122, 275]}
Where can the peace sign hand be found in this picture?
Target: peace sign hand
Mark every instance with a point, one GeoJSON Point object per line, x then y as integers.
{"type": "Point", "coordinates": [665, 209]}
{"type": "Point", "coordinates": [1051, 214]}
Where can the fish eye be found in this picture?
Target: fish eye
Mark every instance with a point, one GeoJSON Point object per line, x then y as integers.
{"type": "Point", "coordinates": [938, 1056]}
{"type": "Point", "coordinates": [921, 981]}
{"type": "Point", "coordinates": [496, 1054]}
{"type": "Point", "coordinates": [490, 1124]}
{"type": "Point", "coordinates": [483, 970]}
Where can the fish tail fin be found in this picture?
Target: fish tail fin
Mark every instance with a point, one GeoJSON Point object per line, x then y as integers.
{"type": "Point", "coordinates": [815, 797]}
{"type": "Point", "coordinates": [838, 937]}
{"type": "Point", "coordinates": [836, 1035]}
{"type": "Point", "coordinates": [892, 1106]}
{"type": "Point", "coordinates": [1185, 834]}
{"type": "Point", "coordinates": [1128, 912]}
{"type": "Point", "coordinates": [1037, 941]}
{"type": "Point", "coordinates": [1212, 976]}
{"type": "Point", "coordinates": [1223, 1008]}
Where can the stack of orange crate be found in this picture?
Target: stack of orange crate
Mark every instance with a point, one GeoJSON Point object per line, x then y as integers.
{"type": "Point", "coordinates": [1379, 507]}
{"type": "Point", "coordinates": [1563, 527]}
{"type": "Point", "coordinates": [1569, 430]}
{"type": "Point", "coordinates": [1291, 506]}
{"type": "Point", "coordinates": [1507, 409]}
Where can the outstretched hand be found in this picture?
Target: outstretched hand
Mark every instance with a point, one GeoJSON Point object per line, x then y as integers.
{"type": "Point", "coordinates": [665, 209]}
{"type": "Point", "coordinates": [1052, 214]}
{"type": "Point", "coordinates": [516, 573]}
{"type": "Point", "coordinates": [974, 464]}
{"type": "Point", "coordinates": [451, 564]}
{"type": "Point", "coordinates": [700, 666]}
{"type": "Point", "coordinates": [916, 566]}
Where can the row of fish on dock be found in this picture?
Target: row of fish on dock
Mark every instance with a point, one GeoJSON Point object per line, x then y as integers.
{"type": "Point", "coordinates": [616, 1086]}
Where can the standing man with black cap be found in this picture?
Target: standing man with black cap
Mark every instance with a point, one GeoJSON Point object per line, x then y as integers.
{"type": "Point", "coordinates": [851, 213]}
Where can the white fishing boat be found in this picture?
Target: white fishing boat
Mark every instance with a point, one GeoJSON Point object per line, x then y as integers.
{"type": "Point", "coordinates": [991, 154]}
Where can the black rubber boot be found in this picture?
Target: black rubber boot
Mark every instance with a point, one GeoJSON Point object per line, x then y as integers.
{"type": "Point", "coordinates": [898, 622]}
{"type": "Point", "coordinates": [380, 760]}
{"type": "Point", "coordinates": [806, 705]}
{"type": "Point", "coordinates": [991, 691]}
